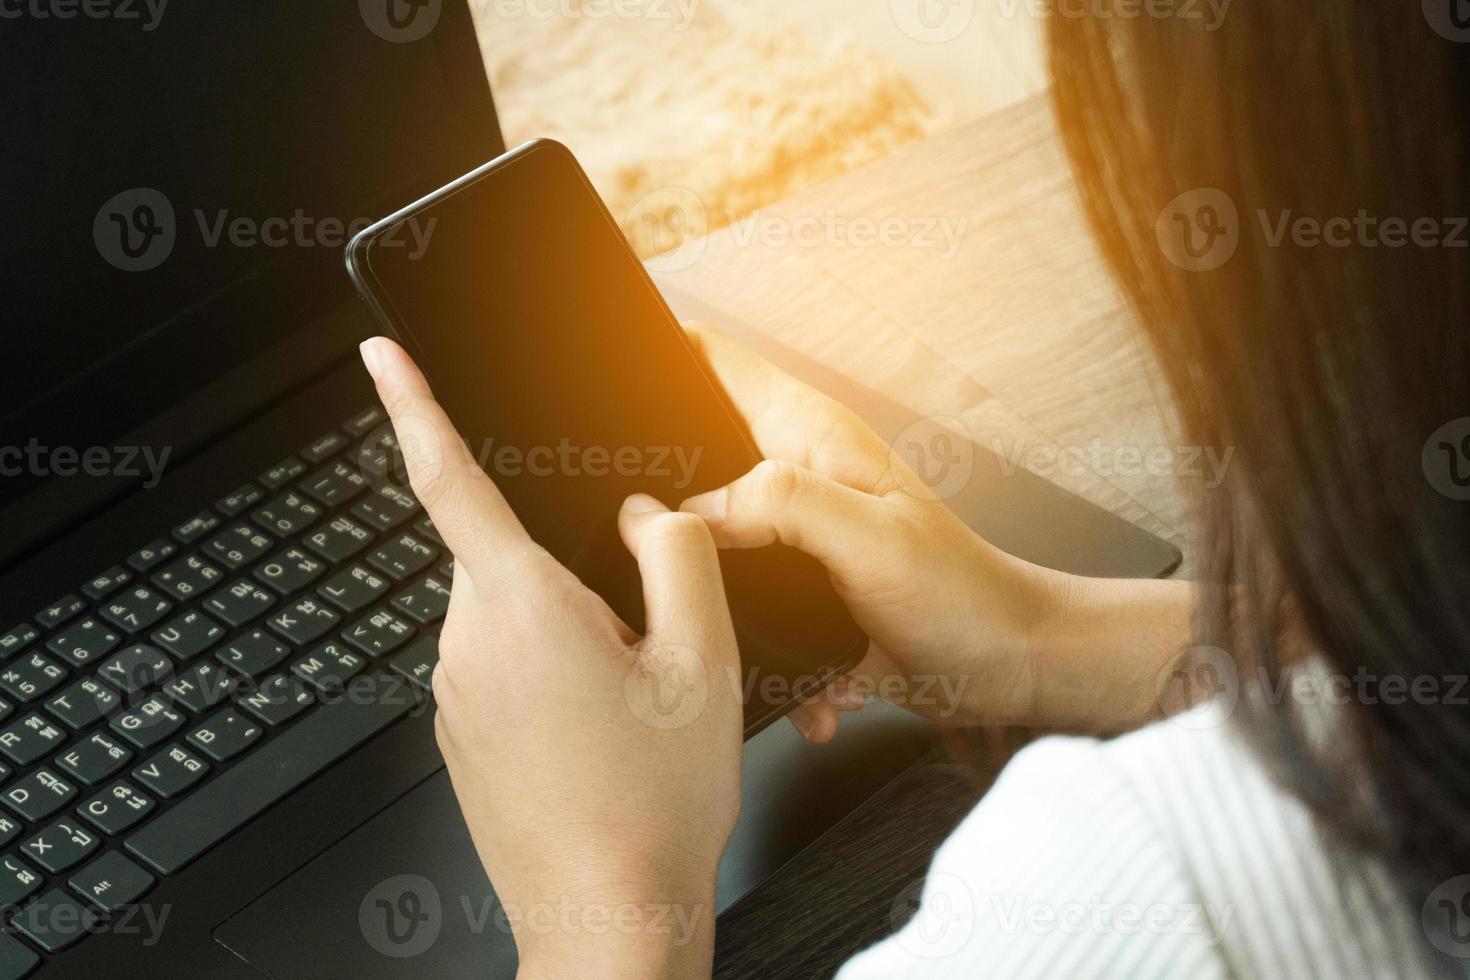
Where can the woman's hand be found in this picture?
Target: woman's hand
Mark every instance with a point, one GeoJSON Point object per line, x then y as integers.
{"type": "Point", "coordinates": [961, 632]}
{"type": "Point", "coordinates": [598, 771]}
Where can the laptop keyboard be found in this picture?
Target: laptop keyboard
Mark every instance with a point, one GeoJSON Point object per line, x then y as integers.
{"type": "Point", "coordinates": [185, 689]}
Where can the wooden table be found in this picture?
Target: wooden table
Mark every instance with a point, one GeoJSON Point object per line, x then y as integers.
{"type": "Point", "coordinates": [1014, 328]}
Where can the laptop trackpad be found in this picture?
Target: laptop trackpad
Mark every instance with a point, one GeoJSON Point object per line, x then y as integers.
{"type": "Point", "coordinates": [403, 894]}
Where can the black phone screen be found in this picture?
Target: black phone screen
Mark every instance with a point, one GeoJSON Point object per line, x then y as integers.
{"type": "Point", "coordinates": [555, 356]}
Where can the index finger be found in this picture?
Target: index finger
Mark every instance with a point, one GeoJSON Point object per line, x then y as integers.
{"type": "Point", "coordinates": [792, 421]}
{"type": "Point", "coordinates": [467, 508]}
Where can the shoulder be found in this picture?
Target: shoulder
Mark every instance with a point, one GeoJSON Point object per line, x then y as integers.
{"type": "Point", "coordinates": [1168, 851]}
{"type": "Point", "coordinates": [1061, 869]}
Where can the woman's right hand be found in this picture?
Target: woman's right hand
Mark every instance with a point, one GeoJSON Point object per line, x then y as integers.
{"type": "Point", "coordinates": [951, 618]}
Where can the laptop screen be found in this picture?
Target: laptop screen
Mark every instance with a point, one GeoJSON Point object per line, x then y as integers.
{"type": "Point", "coordinates": [181, 178]}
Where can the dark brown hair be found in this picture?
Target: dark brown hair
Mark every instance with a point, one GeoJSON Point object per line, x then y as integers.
{"type": "Point", "coordinates": [1325, 366]}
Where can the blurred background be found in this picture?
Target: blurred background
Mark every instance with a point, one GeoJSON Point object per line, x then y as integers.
{"type": "Point", "coordinates": [691, 114]}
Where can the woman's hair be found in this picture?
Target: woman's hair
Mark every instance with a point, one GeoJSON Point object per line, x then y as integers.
{"type": "Point", "coordinates": [1325, 362]}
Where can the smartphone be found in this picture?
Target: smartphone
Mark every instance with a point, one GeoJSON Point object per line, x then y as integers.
{"type": "Point", "coordinates": [555, 356]}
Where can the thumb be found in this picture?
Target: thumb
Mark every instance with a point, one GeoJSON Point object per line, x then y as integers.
{"type": "Point", "coordinates": [778, 501]}
{"type": "Point", "coordinates": [683, 592]}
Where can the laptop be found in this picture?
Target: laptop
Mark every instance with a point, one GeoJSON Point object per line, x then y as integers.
{"type": "Point", "coordinates": [216, 629]}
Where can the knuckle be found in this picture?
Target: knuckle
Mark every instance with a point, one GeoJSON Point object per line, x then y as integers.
{"type": "Point", "coordinates": [776, 483]}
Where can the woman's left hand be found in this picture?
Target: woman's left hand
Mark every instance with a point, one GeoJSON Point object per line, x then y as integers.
{"type": "Point", "coordinates": [599, 771]}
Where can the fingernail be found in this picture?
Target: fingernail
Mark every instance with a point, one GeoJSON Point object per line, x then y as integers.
{"type": "Point", "coordinates": [641, 503]}
{"type": "Point", "coordinates": [372, 356]}
{"type": "Point", "coordinates": [802, 724]}
{"type": "Point", "coordinates": [710, 506]}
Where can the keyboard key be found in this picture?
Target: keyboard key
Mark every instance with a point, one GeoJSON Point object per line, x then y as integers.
{"type": "Point", "coordinates": [63, 609]}
{"type": "Point", "coordinates": [364, 422]}
{"type": "Point", "coordinates": [117, 808]}
{"type": "Point", "coordinates": [339, 539]}
{"type": "Point", "coordinates": [149, 723]}
{"type": "Point", "coordinates": [288, 514]}
{"type": "Point", "coordinates": [324, 447]}
{"type": "Point", "coordinates": [224, 735]}
{"type": "Point", "coordinates": [416, 663]}
{"type": "Point", "coordinates": [150, 555]}
{"type": "Point", "coordinates": [334, 484]}
{"type": "Point", "coordinates": [83, 642]}
{"type": "Point", "coordinates": [136, 668]}
{"type": "Point", "coordinates": [261, 778]}
{"type": "Point", "coordinates": [18, 639]}
{"type": "Point", "coordinates": [386, 508]}
{"type": "Point", "coordinates": [240, 500]}
{"type": "Point", "coordinates": [38, 795]}
{"type": "Point", "coordinates": [59, 846]}
{"type": "Point", "coordinates": [327, 669]}
{"type": "Point", "coordinates": [82, 702]}
{"type": "Point", "coordinates": [9, 830]}
{"type": "Point", "coordinates": [305, 620]}
{"type": "Point", "coordinates": [107, 583]}
{"type": "Point", "coordinates": [18, 881]}
{"type": "Point", "coordinates": [238, 546]}
{"type": "Point", "coordinates": [425, 526]}
{"type": "Point", "coordinates": [253, 654]}
{"type": "Point", "coordinates": [94, 758]}
{"type": "Point", "coordinates": [196, 527]}
{"type": "Point", "coordinates": [427, 602]}
{"type": "Point", "coordinates": [282, 473]}
{"type": "Point", "coordinates": [16, 959]}
{"type": "Point", "coordinates": [403, 557]}
{"type": "Point", "coordinates": [189, 635]}
{"type": "Point", "coordinates": [31, 676]}
{"type": "Point", "coordinates": [171, 771]}
{"type": "Point", "coordinates": [56, 920]}
{"type": "Point", "coordinates": [27, 739]}
{"type": "Point", "coordinates": [378, 634]}
{"type": "Point", "coordinates": [239, 602]}
{"type": "Point", "coordinates": [201, 687]}
{"type": "Point", "coordinates": [187, 577]}
{"type": "Point", "coordinates": [136, 609]}
{"type": "Point", "coordinates": [353, 588]}
{"type": "Point", "coordinates": [111, 882]}
{"type": "Point", "coordinates": [277, 700]}
{"type": "Point", "coordinates": [380, 456]}
{"type": "Point", "coordinates": [291, 571]}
